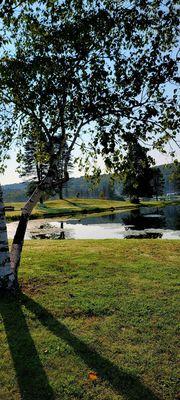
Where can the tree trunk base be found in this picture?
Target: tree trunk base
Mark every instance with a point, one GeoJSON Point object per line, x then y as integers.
{"type": "Point", "coordinates": [8, 284]}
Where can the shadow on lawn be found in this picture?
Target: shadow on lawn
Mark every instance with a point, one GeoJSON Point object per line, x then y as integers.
{"type": "Point", "coordinates": [28, 366]}
{"type": "Point", "coordinates": [74, 204]}
{"type": "Point", "coordinates": [32, 380]}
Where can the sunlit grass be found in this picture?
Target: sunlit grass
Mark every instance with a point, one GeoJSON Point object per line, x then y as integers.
{"type": "Point", "coordinates": [108, 306]}
{"type": "Point", "coordinates": [76, 206]}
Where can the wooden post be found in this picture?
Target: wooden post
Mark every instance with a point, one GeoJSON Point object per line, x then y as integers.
{"type": "Point", "coordinates": [7, 278]}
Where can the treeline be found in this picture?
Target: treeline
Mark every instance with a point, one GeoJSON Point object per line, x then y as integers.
{"type": "Point", "coordinates": [106, 188]}
{"type": "Point", "coordinates": [15, 192]}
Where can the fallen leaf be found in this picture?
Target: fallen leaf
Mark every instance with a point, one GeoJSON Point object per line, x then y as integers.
{"type": "Point", "coordinates": [92, 376]}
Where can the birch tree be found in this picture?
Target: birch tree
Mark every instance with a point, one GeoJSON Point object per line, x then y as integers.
{"type": "Point", "coordinates": [89, 73]}
{"type": "Point", "coordinates": [6, 273]}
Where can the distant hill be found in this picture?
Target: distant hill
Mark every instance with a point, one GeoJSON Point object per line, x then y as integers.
{"type": "Point", "coordinates": [15, 192]}
{"type": "Point", "coordinates": [83, 188]}
{"type": "Point", "coordinates": [170, 185]}
{"type": "Point", "coordinates": [75, 187]}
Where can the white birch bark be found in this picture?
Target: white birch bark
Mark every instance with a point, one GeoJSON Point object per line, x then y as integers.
{"type": "Point", "coordinates": [5, 264]}
{"type": "Point", "coordinates": [18, 241]}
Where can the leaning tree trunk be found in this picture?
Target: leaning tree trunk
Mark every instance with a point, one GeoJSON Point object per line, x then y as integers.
{"type": "Point", "coordinates": [18, 240]}
{"type": "Point", "coordinates": [7, 278]}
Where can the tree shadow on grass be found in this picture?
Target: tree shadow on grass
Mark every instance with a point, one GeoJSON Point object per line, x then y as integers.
{"type": "Point", "coordinates": [74, 204]}
{"type": "Point", "coordinates": [32, 380]}
{"type": "Point", "coordinates": [122, 382]}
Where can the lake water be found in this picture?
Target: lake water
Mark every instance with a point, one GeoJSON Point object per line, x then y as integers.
{"type": "Point", "coordinates": [146, 222]}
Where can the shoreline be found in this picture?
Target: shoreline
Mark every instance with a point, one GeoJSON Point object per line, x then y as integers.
{"type": "Point", "coordinates": [52, 213]}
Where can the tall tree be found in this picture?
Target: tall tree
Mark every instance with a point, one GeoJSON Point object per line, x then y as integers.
{"type": "Point", "coordinates": [137, 172]}
{"type": "Point", "coordinates": [35, 164]}
{"type": "Point", "coordinates": [92, 71]}
{"type": "Point", "coordinates": [157, 182]}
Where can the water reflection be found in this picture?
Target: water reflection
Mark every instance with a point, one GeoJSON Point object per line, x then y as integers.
{"type": "Point", "coordinates": [143, 218]}
{"type": "Point", "coordinates": [47, 231]}
{"type": "Point", "coordinates": [146, 222]}
{"type": "Point", "coordinates": [137, 220]}
{"type": "Point", "coordinates": [145, 235]}
{"type": "Point", "coordinates": [62, 232]}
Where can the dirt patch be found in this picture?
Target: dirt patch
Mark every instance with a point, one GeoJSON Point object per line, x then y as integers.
{"type": "Point", "coordinates": [35, 285]}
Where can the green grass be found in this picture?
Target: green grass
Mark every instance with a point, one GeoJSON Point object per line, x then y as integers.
{"type": "Point", "coordinates": [68, 207]}
{"type": "Point", "coordinates": [74, 206]}
{"type": "Point", "coordinates": [107, 306]}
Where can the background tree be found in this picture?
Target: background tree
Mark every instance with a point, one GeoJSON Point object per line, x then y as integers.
{"type": "Point", "coordinates": [34, 163]}
{"type": "Point", "coordinates": [86, 70]}
{"type": "Point", "coordinates": [157, 182]}
{"type": "Point", "coordinates": [137, 172]}
{"type": "Point", "coordinates": [175, 176]}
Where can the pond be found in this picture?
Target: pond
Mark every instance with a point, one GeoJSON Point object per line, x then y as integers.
{"type": "Point", "coordinates": [145, 222]}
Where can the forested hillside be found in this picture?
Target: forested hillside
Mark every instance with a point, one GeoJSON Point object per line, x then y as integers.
{"type": "Point", "coordinates": [82, 188]}
{"type": "Point", "coordinates": [15, 192]}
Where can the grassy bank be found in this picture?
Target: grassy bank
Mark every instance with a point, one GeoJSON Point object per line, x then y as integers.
{"type": "Point", "coordinates": [103, 310]}
{"type": "Point", "coordinates": [75, 206]}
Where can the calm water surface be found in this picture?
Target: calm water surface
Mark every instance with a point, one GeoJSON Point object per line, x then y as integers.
{"type": "Point", "coordinates": [142, 223]}
{"type": "Point", "coordinates": [146, 222]}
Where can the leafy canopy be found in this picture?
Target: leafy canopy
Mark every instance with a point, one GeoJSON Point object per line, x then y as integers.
{"type": "Point", "coordinates": [97, 73]}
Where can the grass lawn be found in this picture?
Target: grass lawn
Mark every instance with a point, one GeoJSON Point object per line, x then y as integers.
{"type": "Point", "coordinates": [68, 207]}
{"type": "Point", "coordinates": [97, 320]}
